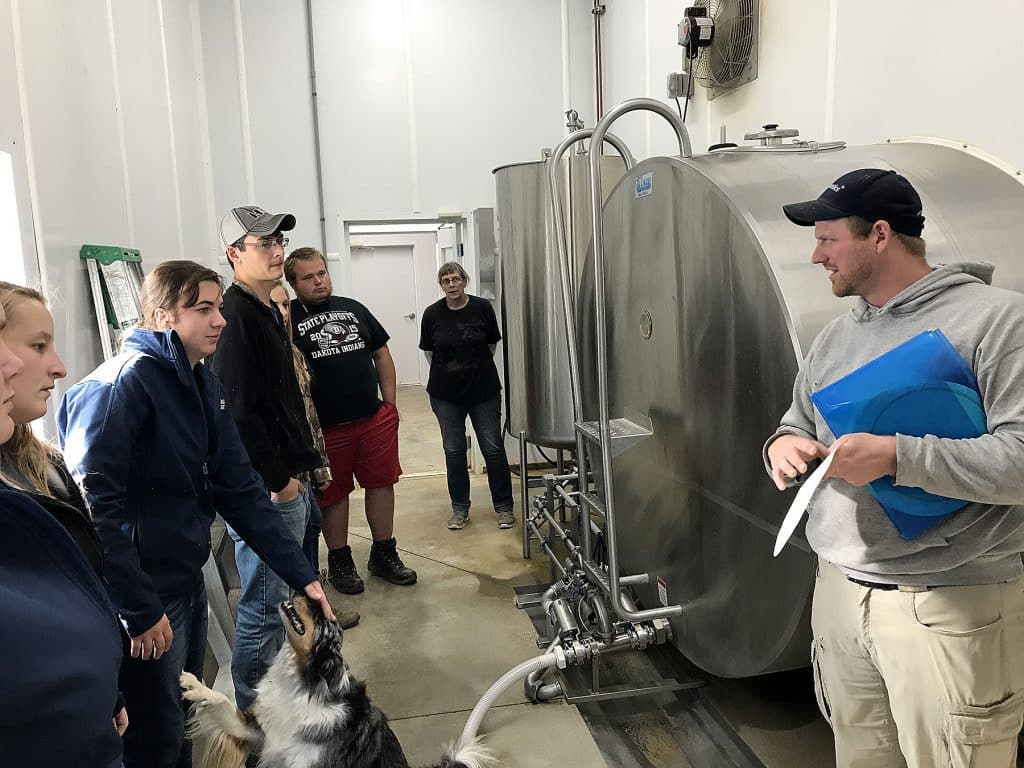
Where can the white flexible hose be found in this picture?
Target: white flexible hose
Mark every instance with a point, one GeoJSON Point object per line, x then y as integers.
{"type": "Point", "coordinates": [505, 681]}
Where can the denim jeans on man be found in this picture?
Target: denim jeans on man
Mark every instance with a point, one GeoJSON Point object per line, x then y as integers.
{"type": "Point", "coordinates": [152, 694]}
{"type": "Point", "coordinates": [486, 420]}
{"type": "Point", "coordinates": [311, 539]}
{"type": "Point", "coordinates": [259, 633]}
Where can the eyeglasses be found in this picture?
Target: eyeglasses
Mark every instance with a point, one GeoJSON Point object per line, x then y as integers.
{"type": "Point", "coordinates": [452, 280]}
{"type": "Point", "coordinates": [265, 243]}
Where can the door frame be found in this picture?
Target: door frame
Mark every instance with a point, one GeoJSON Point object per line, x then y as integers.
{"type": "Point", "coordinates": [359, 227]}
{"type": "Point", "coordinates": [390, 230]}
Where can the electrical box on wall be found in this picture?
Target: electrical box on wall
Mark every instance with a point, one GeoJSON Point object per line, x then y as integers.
{"type": "Point", "coordinates": [676, 85]}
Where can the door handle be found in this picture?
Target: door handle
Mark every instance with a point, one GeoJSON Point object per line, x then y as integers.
{"type": "Point", "coordinates": [410, 316]}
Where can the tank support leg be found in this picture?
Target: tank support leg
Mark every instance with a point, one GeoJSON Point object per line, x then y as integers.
{"type": "Point", "coordinates": [524, 491]}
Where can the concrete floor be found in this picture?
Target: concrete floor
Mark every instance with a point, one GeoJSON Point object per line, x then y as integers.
{"type": "Point", "coordinates": [419, 439]}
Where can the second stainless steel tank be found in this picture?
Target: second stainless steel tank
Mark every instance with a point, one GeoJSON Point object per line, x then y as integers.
{"type": "Point", "coordinates": [537, 394]}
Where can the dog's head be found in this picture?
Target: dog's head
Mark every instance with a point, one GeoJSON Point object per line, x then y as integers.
{"type": "Point", "coordinates": [316, 644]}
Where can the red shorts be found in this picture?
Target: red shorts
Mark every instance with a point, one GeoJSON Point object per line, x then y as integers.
{"type": "Point", "coordinates": [366, 448]}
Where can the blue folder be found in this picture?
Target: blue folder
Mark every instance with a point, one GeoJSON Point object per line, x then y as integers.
{"type": "Point", "coordinates": [922, 387]}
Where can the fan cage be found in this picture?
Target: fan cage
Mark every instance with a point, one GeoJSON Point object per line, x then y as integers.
{"type": "Point", "coordinates": [724, 63]}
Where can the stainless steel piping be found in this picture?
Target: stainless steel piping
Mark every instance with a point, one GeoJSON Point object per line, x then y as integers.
{"type": "Point", "coordinates": [558, 212]}
{"type": "Point", "coordinates": [600, 331]}
{"type": "Point", "coordinates": [535, 529]}
{"type": "Point", "coordinates": [567, 498]}
{"type": "Point", "coordinates": [568, 295]}
{"type": "Point", "coordinates": [563, 619]}
{"type": "Point", "coordinates": [316, 130]}
{"type": "Point", "coordinates": [524, 487]}
{"type": "Point", "coordinates": [559, 531]}
{"type": "Point", "coordinates": [550, 691]}
{"type": "Point", "coordinates": [598, 12]}
{"type": "Point", "coordinates": [604, 623]}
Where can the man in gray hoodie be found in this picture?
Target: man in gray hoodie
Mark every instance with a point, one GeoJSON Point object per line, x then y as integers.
{"type": "Point", "coordinates": [918, 648]}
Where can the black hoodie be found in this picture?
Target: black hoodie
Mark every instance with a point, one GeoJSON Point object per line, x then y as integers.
{"type": "Point", "coordinates": [254, 360]}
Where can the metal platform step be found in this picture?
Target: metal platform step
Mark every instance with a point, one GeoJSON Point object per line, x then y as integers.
{"type": "Point", "coordinates": [593, 502]}
{"type": "Point", "coordinates": [625, 432]}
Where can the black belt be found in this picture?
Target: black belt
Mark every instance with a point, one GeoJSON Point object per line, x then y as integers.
{"type": "Point", "coordinates": [873, 585]}
{"type": "Point", "coordinates": [888, 587]}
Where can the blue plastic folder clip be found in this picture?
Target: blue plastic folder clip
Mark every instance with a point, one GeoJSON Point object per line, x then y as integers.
{"type": "Point", "coordinates": [922, 387]}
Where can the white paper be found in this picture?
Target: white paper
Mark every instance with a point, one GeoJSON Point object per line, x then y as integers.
{"type": "Point", "coordinates": [800, 504]}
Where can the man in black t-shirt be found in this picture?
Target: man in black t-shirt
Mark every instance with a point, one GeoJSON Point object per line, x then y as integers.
{"type": "Point", "coordinates": [348, 356]}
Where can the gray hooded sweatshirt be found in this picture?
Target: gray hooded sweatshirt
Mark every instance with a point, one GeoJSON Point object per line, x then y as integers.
{"type": "Point", "coordinates": [980, 544]}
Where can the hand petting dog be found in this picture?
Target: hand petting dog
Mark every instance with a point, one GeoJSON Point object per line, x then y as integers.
{"type": "Point", "coordinates": [315, 591]}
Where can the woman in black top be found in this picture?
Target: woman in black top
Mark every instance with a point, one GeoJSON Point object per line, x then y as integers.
{"type": "Point", "coordinates": [458, 334]}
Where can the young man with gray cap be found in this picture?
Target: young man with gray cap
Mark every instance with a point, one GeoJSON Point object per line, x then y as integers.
{"type": "Point", "coordinates": [917, 642]}
{"type": "Point", "coordinates": [254, 360]}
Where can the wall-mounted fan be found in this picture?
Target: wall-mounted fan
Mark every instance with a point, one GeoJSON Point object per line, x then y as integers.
{"type": "Point", "coordinates": [720, 38]}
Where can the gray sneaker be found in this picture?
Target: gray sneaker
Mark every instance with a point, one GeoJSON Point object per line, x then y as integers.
{"type": "Point", "coordinates": [506, 519]}
{"type": "Point", "coordinates": [458, 519]}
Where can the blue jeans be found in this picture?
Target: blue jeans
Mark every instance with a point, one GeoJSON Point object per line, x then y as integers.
{"type": "Point", "coordinates": [311, 540]}
{"type": "Point", "coordinates": [486, 420]}
{"type": "Point", "coordinates": [152, 694]}
{"type": "Point", "coordinates": [259, 633]}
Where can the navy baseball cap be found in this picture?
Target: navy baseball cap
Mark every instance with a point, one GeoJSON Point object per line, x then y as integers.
{"type": "Point", "coordinates": [869, 193]}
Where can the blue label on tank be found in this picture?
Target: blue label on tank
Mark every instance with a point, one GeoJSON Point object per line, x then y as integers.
{"type": "Point", "coordinates": [644, 185]}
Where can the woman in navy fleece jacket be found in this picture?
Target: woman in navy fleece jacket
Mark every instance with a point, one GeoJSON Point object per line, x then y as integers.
{"type": "Point", "coordinates": [60, 642]}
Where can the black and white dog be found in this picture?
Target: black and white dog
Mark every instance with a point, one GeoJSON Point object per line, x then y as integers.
{"type": "Point", "coordinates": [309, 711]}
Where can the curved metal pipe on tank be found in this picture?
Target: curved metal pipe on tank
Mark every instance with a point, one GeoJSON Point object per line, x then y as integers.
{"type": "Point", "coordinates": [600, 331]}
{"type": "Point", "coordinates": [562, 246]}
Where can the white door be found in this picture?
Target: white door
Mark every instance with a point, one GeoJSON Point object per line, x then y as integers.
{"type": "Point", "coordinates": [384, 279]}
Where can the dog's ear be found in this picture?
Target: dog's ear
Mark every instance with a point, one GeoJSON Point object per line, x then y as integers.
{"type": "Point", "coordinates": [326, 664]}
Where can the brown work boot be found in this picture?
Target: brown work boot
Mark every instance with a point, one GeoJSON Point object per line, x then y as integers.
{"type": "Point", "coordinates": [346, 618]}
